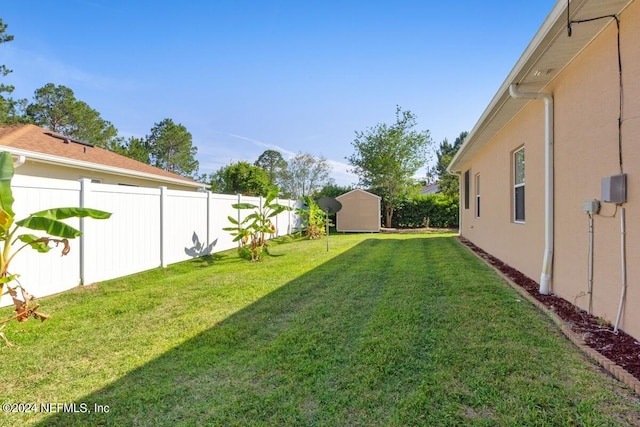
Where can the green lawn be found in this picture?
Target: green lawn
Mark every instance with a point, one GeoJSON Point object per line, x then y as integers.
{"type": "Point", "coordinates": [388, 330]}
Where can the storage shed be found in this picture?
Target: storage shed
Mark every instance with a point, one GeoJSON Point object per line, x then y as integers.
{"type": "Point", "coordinates": [360, 212]}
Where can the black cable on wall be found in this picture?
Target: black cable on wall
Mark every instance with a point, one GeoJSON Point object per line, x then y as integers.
{"type": "Point", "coordinates": [621, 91]}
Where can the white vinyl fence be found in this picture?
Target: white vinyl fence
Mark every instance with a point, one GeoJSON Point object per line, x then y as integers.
{"type": "Point", "coordinates": [148, 228]}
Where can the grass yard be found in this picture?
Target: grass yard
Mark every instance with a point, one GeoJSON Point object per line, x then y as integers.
{"type": "Point", "coordinates": [390, 330]}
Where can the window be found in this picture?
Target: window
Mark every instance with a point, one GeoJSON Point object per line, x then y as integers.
{"type": "Point", "coordinates": [467, 186]}
{"type": "Point", "coordinates": [477, 179]}
{"type": "Point", "coordinates": [518, 186]}
{"type": "Point", "coordinates": [93, 180]}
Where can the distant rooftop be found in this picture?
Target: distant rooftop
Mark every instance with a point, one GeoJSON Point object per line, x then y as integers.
{"type": "Point", "coordinates": [52, 147]}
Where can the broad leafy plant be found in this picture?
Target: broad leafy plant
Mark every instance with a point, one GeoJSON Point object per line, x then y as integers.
{"type": "Point", "coordinates": [313, 218]}
{"type": "Point", "coordinates": [13, 241]}
{"type": "Point", "coordinates": [253, 230]}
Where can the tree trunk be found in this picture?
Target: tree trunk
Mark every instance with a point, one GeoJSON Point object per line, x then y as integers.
{"type": "Point", "coordinates": [388, 215]}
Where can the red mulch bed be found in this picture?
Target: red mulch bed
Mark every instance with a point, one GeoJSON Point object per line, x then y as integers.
{"type": "Point", "coordinates": [620, 348]}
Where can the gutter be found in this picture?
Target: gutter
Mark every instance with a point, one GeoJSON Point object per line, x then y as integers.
{"type": "Point", "coordinates": [19, 161]}
{"type": "Point", "coordinates": [533, 52]}
{"type": "Point", "coordinates": [57, 160]}
{"type": "Point", "coordinates": [547, 261]}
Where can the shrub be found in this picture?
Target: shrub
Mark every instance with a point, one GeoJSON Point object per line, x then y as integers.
{"type": "Point", "coordinates": [252, 231]}
{"type": "Point", "coordinates": [313, 218]}
{"type": "Point", "coordinates": [430, 210]}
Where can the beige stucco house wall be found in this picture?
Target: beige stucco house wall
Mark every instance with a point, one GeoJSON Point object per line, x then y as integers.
{"type": "Point", "coordinates": [62, 171]}
{"type": "Point", "coordinates": [360, 212]}
{"type": "Point", "coordinates": [581, 74]}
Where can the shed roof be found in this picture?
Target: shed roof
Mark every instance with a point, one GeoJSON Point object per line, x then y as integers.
{"type": "Point", "coordinates": [44, 146]}
{"type": "Point", "coordinates": [548, 53]}
{"type": "Point", "coordinates": [360, 191]}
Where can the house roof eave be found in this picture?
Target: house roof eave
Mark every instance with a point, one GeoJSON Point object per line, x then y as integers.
{"type": "Point", "coordinates": [548, 53]}
{"type": "Point", "coordinates": [90, 166]}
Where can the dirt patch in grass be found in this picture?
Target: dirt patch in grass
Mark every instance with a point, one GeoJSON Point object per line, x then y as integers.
{"type": "Point", "coordinates": [619, 347]}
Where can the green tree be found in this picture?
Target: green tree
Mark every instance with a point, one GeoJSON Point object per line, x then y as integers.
{"type": "Point", "coordinates": [387, 157]}
{"type": "Point", "coordinates": [11, 110]}
{"type": "Point", "coordinates": [170, 148]}
{"type": "Point", "coordinates": [5, 38]}
{"type": "Point", "coordinates": [57, 109]}
{"type": "Point", "coordinates": [332, 190]}
{"type": "Point", "coordinates": [273, 164]}
{"type": "Point", "coordinates": [241, 178]}
{"type": "Point", "coordinates": [215, 181]}
{"type": "Point", "coordinates": [448, 183]}
{"type": "Point", "coordinates": [304, 175]}
{"type": "Point", "coordinates": [134, 148]}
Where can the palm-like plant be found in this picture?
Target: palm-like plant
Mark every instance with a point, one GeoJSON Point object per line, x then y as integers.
{"type": "Point", "coordinates": [49, 221]}
{"type": "Point", "coordinates": [252, 231]}
{"type": "Point", "coordinates": [313, 218]}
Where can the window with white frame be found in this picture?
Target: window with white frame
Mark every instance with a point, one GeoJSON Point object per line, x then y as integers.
{"type": "Point", "coordinates": [518, 186]}
{"type": "Point", "coordinates": [477, 184]}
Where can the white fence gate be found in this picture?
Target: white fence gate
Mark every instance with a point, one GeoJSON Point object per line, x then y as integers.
{"type": "Point", "coordinates": [148, 228]}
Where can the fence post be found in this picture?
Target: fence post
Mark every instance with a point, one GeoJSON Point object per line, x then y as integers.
{"type": "Point", "coordinates": [163, 225]}
{"type": "Point", "coordinates": [208, 219]}
{"type": "Point", "coordinates": [277, 217]}
{"type": "Point", "coordinates": [289, 228]}
{"type": "Point", "coordinates": [238, 211]}
{"type": "Point", "coordinates": [260, 210]}
{"type": "Point", "coordinates": [85, 189]}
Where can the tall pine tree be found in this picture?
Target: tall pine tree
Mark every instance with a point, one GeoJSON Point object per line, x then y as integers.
{"type": "Point", "coordinates": [448, 183]}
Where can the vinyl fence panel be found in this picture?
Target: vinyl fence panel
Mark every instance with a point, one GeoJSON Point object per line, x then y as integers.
{"type": "Point", "coordinates": [49, 273]}
{"type": "Point", "coordinates": [129, 241]}
{"type": "Point", "coordinates": [148, 228]}
{"type": "Point", "coordinates": [185, 225]}
{"type": "Point", "coordinates": [219, 209]}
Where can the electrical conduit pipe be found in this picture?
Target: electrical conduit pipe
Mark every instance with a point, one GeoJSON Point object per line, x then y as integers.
{"type": "Point", "coordinates": [545, 276]}
{"type": "Point", "coordinates": [623, 258]}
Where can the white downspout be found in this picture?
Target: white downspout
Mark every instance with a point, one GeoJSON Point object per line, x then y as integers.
{"type": "Point", "coordinates": [459, 175]}
{"type": "Point", "coordinates": [545, 276]}
{"type": "Point", "coordinates": [19, 161]}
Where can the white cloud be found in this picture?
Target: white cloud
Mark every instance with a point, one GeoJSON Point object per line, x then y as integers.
{"type": "Point", "coordinates": [263, 144]}
{"type": "Point", "coordinates": [341, 174]}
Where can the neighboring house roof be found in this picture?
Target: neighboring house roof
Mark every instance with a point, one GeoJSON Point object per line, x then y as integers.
{"type": "Point", "coordinates": [38, 144]}
{"type": "Point", "coordinates": [360, 191]}
{"type": "Point", "coordinates": [430, 189]}
{"type": "Point", "coordinates": [548, 53]}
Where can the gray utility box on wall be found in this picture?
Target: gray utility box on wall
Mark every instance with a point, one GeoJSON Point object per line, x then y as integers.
{"type": "Point", "coordinates": [614, 188]}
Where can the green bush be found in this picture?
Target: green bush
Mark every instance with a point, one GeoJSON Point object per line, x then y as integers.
{"type": "Point", "coordinates": [430, 210]}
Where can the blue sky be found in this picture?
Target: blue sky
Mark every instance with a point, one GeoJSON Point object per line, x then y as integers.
{"type": "Point", "coordinates": [295, 76]}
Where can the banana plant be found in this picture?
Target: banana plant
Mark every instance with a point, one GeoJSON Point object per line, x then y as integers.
{"type": "Point", "coordinates": [252, 231]}
{"type": "Point", "coordinates": [313, 218]}
{"type": "Point", "coordinates": [13, 240]}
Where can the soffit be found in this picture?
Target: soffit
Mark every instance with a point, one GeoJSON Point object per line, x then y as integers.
{"type": "Point", "coordinates": [41, 145]}
{"type": "Point", "coordinates": [548, 53]}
